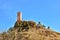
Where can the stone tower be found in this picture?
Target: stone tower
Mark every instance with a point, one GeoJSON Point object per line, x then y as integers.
{"type": "Point", "coordinates": [19, 17]}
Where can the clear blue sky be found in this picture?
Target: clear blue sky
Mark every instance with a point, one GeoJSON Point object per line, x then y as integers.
{"type": "Point", "coordinates": [45, 11]}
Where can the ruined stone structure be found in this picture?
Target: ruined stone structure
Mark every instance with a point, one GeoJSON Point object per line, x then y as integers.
{"type": "Point", "coordinates": [19, 17]}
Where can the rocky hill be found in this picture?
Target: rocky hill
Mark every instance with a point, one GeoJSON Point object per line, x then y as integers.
{"type": "Point", "coordinates": [29, 30]}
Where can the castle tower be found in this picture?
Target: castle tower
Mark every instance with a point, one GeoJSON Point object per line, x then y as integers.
{"type": "Point", "coordinates": [19, 17]}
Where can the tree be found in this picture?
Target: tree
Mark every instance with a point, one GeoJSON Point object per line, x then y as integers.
{"type": "Point", "coordinates": [44, 26]}
{"type": "Point", "coordinates": [39, 23]}
{"type": "Point", "coordinates": [25, 25]}
{"type": "Point", "coordinates": [10, 29]}
{"type": "Point", "coordinates": [48, 27]}
{"type": "Point", "coordinates": [16, 24]}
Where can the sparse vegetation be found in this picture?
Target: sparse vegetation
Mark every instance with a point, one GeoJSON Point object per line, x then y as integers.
{"type": "Point", "coordinates": [48, 27]}
{"type": "Point", "coordinates": [29, 30]}
{"type": "Point", "coordinates": [26, 30]}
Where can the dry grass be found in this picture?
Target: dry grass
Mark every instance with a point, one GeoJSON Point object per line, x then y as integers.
{"type": "Point", "coordinates": [32, 34]}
